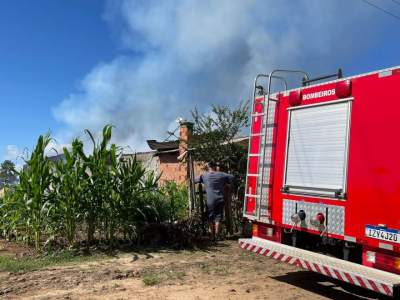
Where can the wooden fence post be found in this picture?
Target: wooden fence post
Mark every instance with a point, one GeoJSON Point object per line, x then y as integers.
{"type": "Point", "coordinates": [202, 207]}
{"type": "Point", "coordinates": [228, 209]}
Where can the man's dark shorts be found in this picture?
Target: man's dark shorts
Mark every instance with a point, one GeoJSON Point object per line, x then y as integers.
{"type": "Point", "coordinates": [215, 211]}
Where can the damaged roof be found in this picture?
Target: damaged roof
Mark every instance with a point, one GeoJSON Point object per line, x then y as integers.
{"type": "Point", "coordinates": [163, 146]}
{"type": "Point", "coordinates": [174, 145]}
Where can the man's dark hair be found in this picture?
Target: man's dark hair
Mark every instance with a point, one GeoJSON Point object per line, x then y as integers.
{"type": "Point", "coordinates": [212, 165]}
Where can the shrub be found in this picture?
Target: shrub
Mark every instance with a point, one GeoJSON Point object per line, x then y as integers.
{"type": "Point", "coordinates": [176, 201]}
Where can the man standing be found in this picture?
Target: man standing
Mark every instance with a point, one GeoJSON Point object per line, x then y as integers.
{"type": "Point", "coordinates": [214, 182]}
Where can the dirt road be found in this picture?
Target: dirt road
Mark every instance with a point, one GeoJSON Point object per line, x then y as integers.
{"type": "Point", "coordinates": [219, 272]}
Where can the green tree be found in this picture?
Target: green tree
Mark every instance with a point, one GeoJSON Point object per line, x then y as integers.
{"type": "Point", "coordinates": [7, 172]}
{"type": "Point", "coordinates": [214, 137]}
{"type": "Point", "coordinates": [214, 140]}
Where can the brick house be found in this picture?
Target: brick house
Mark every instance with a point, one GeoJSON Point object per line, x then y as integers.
{"type": "Point", "coordinates": [167, 158]}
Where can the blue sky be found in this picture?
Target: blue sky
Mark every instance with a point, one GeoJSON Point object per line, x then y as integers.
{"type": "Point", "coordinates": [70, 65]}
{"type": "Point", "coordinates": [46, 46]}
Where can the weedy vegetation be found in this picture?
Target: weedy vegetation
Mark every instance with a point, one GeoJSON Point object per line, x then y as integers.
{"type": "Point", "coordinates": [158, 275]}
{"type": "Point", "coordinates": [151, 278]}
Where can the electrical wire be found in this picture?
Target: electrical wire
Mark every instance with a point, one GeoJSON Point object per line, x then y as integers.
{"type": "Point", "coordinates": [170, 134]}
{"type": "Point", "coordinates": [382, 9]}
{"type": "Point", "coordinates": [396, 1]}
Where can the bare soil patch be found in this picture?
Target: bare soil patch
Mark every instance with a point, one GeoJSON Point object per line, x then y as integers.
{"type": "Point", "coordinates": [12, 249]}
{"type": "Point", "coordinates": [222, 271]}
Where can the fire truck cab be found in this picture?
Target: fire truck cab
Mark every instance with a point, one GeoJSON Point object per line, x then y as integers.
{"type": "Point", "coordinates": [323, 176]}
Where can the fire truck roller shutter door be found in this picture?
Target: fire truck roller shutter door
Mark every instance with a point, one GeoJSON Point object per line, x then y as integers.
{"type": "Point", "coordinates": [316, 154]}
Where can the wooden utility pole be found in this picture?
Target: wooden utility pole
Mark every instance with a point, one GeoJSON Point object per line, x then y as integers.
{"type": "Point", "coordinates": [185, 136]}
{"type": "Point", "coordinates": [192, 192]}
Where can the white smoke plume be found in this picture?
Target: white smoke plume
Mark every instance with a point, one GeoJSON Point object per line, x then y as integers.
{"type": "Point", "coordinates": [181, 54]}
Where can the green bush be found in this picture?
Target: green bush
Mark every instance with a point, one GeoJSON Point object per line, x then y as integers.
{"type": "Point", "coordinates": [175, 199]}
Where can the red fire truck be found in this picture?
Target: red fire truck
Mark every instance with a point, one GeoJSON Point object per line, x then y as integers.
{"type": "Point", "coordinates": [323, 176]}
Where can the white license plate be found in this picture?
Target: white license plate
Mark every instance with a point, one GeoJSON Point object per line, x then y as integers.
{"type": "Point", "coordinates": [384, 234]}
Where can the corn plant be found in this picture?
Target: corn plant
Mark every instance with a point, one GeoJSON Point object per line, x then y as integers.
{"type": "Point", "coordinates": [97, 176]}
{"type": "Point", "coordinates": [129, 188]}
{"type": "Point", "coordinates": [14, 213]}
{"type": "Point", "coordinates": [112, 197]}
{"type": "Point", "coordinates": [69, 187]}
{"type": "Point", "coordinates": [95, 191]}
{"type": "Point", "coordinates": [34, 189]}
{"type": "Point", "coordinates": [151, 204]}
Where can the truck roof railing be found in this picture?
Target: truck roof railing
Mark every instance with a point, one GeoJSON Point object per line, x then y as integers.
{"type": "Point", "coordinates": [271, 75]}
{"type": "Point", "coordinates": [337, 75]}
{"type": "Point", "coordinates": [261, 88]}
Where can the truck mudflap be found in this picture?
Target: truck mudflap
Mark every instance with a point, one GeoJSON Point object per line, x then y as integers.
{"type": "Point", "coordinates": [379, 281]}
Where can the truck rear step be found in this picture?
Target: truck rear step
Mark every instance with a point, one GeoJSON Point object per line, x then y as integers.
{"type": "Point", "coordinates": [379, 281]}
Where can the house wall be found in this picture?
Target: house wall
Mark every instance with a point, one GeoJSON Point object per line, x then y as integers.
{"type": "Point", "coordinates": [149, 161]}
{"type": "Point", "coordinates": [172, 169]}
{"type": "Point", "coordinates": [165, 164]}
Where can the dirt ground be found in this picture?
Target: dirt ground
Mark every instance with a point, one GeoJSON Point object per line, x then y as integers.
{"type": "Point", "coordinates": [223, 271]}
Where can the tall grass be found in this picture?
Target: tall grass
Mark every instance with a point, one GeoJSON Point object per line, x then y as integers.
{"type": "Point", "coordinates": [93, 192]}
